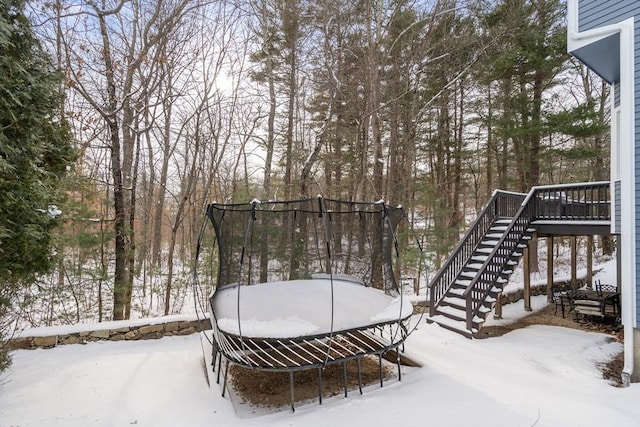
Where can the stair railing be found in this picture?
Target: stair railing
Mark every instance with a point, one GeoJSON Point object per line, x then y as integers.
{"type": "Point", "coordinates": [582, 201]}
{"type": "Point", "coordinates": [502, 203]}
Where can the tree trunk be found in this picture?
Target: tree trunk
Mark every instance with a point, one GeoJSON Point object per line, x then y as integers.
{"type": "Point", "coordinates": [121, 273]}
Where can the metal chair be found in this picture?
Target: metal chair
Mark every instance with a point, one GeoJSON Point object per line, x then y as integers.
{"type": "Point", "coordinates": [609, 296]}
{"type": "Point", "coordinates": [562, 297]}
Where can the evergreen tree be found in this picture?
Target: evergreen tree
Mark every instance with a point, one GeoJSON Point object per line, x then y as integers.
{"type": "Point", "coordinates": [528, 57]}
{"type": "Point", "coordinates": [35, 153]}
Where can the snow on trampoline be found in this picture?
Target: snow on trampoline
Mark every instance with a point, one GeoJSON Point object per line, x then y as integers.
{"type": "Point", "coordinates": [298, 308]}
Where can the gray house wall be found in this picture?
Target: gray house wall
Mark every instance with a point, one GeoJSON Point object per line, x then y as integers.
{"type": "Point", "coordinates": [597, 13]}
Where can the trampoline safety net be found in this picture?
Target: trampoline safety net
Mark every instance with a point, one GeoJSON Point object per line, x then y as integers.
{"type": "Point", "coordinates": [261, 242]}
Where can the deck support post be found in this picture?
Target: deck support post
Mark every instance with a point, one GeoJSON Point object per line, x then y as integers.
{"type": "Point", "coordinates": [574, 262]}
{"type": "Point", "coordinates": [550, 269]}
{"type": "Point", "coordinates": [497, 312]}
{"type": "Point", "coordinates": [527, 279]}
{"type": "Point", "coordinates": [589, 277]}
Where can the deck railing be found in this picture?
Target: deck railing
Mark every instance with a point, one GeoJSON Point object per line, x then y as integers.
{"type": "Point", "coordinates": [573, 202]}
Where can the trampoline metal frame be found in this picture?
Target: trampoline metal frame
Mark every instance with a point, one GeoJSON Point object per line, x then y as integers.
{"type": "Point", "coordinates": [340, 347]}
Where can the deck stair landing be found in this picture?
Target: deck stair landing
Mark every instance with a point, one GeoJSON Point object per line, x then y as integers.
{"type": "Point", "coordinates": [466, 288]}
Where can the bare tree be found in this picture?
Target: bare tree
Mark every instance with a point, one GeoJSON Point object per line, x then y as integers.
{"type": "Point", "coordinates": [106, 60]}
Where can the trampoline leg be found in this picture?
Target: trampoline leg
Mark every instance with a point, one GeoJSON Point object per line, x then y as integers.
{"type": "Point", "coordinates": [398, 363]}
{"type": "Point", "coordinates": [380, 367]}
{"type": "Point", "coordinates": [224, 381]}
{"type": "Point", "coordinates": [219, 369]}
{"type": "Point", "coordinates": [359, 375]}
{"type": "Point", "coordinates": [214, 355]}
{"type": "Point", "coordinates": [293, 409]}
{"type": "Point", "coordinates": [344, 377]}
{"type": "Point", "coordinates": [320, 386]}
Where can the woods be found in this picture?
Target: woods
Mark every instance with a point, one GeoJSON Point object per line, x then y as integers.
{"type": "Point", "coordinates": [35, 152]}
{"type": "Point", "coordinates": [177, 103]}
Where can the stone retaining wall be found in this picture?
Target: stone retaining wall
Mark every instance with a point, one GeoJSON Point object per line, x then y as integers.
{"type": "Point", "coordinates": [184, 327]}
{"type": "Point", "coordinates": [536, 290]}
{"type": "Point", "coordinates": [126, 333]}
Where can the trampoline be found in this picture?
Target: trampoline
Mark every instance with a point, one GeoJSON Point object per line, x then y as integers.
{"type": "Point", "coordinates": [303, 284]}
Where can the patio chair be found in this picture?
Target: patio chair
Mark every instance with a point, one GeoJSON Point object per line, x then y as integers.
{"type": "Point", "coordinates": [609, 296]}
{"type": "Point", "coordinates": [562, 297]}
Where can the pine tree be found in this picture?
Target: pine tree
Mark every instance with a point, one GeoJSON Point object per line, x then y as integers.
{"type": "Point", "coordinates": [35, 152]}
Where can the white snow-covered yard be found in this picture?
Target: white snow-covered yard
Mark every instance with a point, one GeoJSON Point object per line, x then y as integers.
{"type": "Point", "coordinates": [538, 376]}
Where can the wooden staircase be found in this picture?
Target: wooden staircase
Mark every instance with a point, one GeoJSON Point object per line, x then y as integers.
{"type": "Point", "coordinates": [451, 312]}
{"type": "Point", "coordinates": [465, 290]}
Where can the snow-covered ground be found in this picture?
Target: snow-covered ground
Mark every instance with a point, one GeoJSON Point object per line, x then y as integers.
{"type": "Point", "coordinates": [538, 376]}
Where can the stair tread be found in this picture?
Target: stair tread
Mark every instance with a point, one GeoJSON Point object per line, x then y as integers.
{"type": "Point", "coordinates": [454, 324]}
{"type": "Point", "coordinates": [457, 315]}
{"type": "Point", "coordinates": [494, 235]}
{"type": "Point", "coordinates": [505, 220]}
{"type": "Point", "coordinates": [482, 257]}
{"type": "Point", "coordinates": [485, 250]}
{"type": "Point", "coordinates": [475, 265]}
{"type": "Point", "coordinates": [452, 311]}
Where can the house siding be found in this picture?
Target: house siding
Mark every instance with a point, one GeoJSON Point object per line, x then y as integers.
{"type": "Point", "coordinates": [597, 13]}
